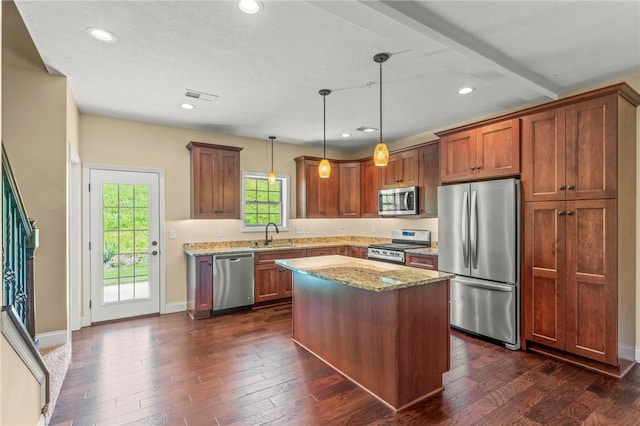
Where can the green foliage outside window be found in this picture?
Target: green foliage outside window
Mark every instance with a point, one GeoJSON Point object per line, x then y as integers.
{"type": "Point", "coordinates": [262, 201]}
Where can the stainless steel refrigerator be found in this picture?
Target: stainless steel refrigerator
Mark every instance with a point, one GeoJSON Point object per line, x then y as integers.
{"type": "Point", "coordinates": [479, 241]}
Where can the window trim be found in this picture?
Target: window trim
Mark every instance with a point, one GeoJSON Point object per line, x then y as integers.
{"type": "Point", "coordinates": [286, 198]}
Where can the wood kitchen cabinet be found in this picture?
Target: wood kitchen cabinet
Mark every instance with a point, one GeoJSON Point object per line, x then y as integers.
{"type": "Point", "coordinates": [271, 281]}
{"type": "Point", "coordinates": [429, 178]}
{"type": "Point", "coordinates": [321, 251]}
{"type": "Point", "coordinates": [349, 189]}
{"type": "Point", "coordinates": [424, 261]}
{"type": "Point", "coordinates": [578, 274]}
{"type": "Point", "coordinates": [316, 197]}
{"type": "Point", "coordinates": [359, 252]}
{"type": "Point", "coordinates": [571, 151]}
{"type": "Point", "coordinates": [370, 183]}
{"type": "Point", "coordinates": [199, 286]}
{"type": "Point", "coordinates": [490, 151]}
{"type": "Point", "coordinates": [215, 181]}
{"type": "Point", "coordinates": [402, 169]}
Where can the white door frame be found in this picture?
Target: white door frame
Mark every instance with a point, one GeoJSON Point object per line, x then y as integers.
{"type": "Point", "coordinates": [75, 242]}
{"type": "Point", "coordinates": [86, 233]}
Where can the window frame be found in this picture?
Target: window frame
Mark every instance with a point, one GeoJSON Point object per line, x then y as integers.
{"type": "Point", "coordinates": [285, 196]}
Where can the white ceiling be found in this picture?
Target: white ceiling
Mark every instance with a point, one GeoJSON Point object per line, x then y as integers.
{"type": "Point", "coordinates": [266, 69]}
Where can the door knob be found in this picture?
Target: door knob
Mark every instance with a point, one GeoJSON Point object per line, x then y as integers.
{"type": "Point", "coordinates": [561, 188]}
{"type": "Point", "coordinates": [570, 187]}
{"type": "Point", "coordinates": [155, 252]}
{"type": "Point", "coordinates": [560, 213]}
{"type": "Point", "coordinates": [154, 243]}
{"type": "Point", "coordinates": [569, 213]}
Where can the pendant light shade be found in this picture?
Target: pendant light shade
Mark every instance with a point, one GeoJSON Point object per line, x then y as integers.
{"type": "Point", "coordinates": [381, 152]}
{"type": "Point", "coordinates": [272, 174]}
{"type": "Point", "coordinates": [324, 169]}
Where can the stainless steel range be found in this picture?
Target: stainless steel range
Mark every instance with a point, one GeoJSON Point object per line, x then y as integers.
{"type": "Point", "coordinates": [401, 240]}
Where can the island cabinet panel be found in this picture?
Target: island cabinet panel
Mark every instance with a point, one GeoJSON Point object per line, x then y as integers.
{"type": "Point", "coordinates": [429, 179]}
{"type": "Point", "coordinates": [349, 190]}
{"type": "Point", "coordinates": [424, 261]}
{"type": "Point", "coordinates": [402, 169]}
{"type": "Point", "coordinates": [199, 286]}
{"type": "Point", "coordinates": [271, 281]}
{"type": "Point", "coordinates": [370, 184]}
{"type": "Point", "coordinates": [393, 343]}
{"type": "Point", "coordinates": [486, 152]}
{"type": "Point", "coordinates": [316, 197]}
{"type": "Point", "coordinates": [215, 181]}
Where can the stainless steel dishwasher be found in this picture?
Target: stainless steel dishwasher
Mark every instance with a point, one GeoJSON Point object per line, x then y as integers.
{"type": "Point", "coordinates": [232, 281]}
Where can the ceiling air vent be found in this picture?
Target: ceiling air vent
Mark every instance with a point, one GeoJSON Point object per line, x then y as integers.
{"type": "Point", "coordinates": [201, 96]}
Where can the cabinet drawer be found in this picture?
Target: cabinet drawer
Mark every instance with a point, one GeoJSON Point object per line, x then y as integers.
{"type": "Point", "coordinates": [422, 261]}
{"type": "Point", "coordinates": [323, 251]}
{"type": "Point", "coordinates": [271, 256]}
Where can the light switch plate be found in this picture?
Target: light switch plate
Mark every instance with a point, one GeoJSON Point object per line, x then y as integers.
{"type": "Point", "coordinates": [172, 234]}
{"type": "Point", "coordinates": [299, 229]}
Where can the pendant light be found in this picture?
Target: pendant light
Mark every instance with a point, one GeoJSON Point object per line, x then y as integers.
{"type": "Point", "coordinates": [381, 153]}
{"type": "Point", "coordinates": [272, 174]}
{"type": "Point", "coordinates": [324, 169]}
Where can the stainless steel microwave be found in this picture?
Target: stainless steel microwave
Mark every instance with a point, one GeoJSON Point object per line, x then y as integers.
{"type": "Point", "coordinates": [398, 201]}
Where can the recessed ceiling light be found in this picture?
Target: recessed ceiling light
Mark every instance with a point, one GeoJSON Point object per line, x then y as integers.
{"type": "Point", "coordinates": [366, 129]}
{"type": "Point", "coordinates": [250, 6]}
{"type": "Point", "coordinates": [102, 35]}
{"type": "Point", "coordinates": [466, 90]}
{"type": "Point", "coordinates": [187, 106]}
{"type": "Point", "coordinates": [346, 135]}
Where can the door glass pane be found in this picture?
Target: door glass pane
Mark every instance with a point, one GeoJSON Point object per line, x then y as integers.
{"type": "Point", "coordinates": [125, 242]}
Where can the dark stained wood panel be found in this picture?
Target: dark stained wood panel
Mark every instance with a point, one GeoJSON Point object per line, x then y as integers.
{"type": "Point", "coordinates": [429, 179]}
{"type": "Point", "coordinates": [543, 156]}
{"type": "Point", "coordinates": [457, 156]}
{"type": "Point", "coordinates": [349, 189]}
{"type": "Point", "coordinates": [498, 149]}
{"type": "Point", "coordinates": [591, 149]}
{"type": "Point", "coordinates": [592, 280]}
{"type": "Point", "coordinates": [370, 183]}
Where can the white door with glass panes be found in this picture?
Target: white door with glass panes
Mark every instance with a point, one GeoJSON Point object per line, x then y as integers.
{"type": "Point", "coordinates": [124, 243]}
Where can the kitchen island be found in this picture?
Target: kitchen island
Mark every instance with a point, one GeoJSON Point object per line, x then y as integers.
{"type": "Point", "coordinates": [384, 326]}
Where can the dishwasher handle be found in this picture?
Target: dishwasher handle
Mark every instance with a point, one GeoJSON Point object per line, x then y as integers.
{"type": "Point", "coordinates": [234, 257]}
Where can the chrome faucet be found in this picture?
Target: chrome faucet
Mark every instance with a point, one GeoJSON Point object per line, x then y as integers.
{"type": "Point", "coordinates": [267, 240]}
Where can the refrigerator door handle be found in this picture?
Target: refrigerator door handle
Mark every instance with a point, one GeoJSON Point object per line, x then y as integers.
{"type": "Point", "coordinates": [465, 226]}
{"type": "Point", "coordinates": [473, 230]}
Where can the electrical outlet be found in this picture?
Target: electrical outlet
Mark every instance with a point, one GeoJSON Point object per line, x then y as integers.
{"type": "Point", "coordinates": [341, 228]}
{"type": "Point", "coordinates": [172, 234]}
{"type": "Point", "coordinates": [220, 233]}
{"type": "Point", "coordinates": [310, 229]}
{"type": "Point", "coordinates": [299, 229]}
{"type": "Point", "coordinates": [373, 229]}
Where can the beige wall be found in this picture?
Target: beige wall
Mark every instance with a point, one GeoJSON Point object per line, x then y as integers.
{"type": "Point", "coordinates": [34, 135]}
{"type": "Point", "coordinates": [20, 400]}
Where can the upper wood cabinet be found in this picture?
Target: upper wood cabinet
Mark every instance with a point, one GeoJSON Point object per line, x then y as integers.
{"type": "Point", "coordinates": [215, 181]}
{"type": "Point", "coordinates": [370, 183]}
{"type": "Point", "coordinates": [429, 179]}
{"type": "Point", "coordinates": [481, 153]}
{"type": "Point", "coordinates": [402, 169]}
{"type": "Point", "coordinates": [349, 189]}
{"type": "Point", "coordinates": [316, 197]}
{"type": "Point", "coordinates": [570, 152]}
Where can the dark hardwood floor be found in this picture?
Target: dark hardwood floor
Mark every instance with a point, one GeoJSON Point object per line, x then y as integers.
{"type": "Point", "coordinates": [243, 369]}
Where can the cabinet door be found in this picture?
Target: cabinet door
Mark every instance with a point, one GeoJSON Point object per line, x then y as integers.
{"type": "Point", "coordinates": [311, 181]}
{"type": "Point", "coordinates": [329, 193]}
{"type": "Point", "coordinates": [204, 284]}
{"type": "Point", "coordinates": [544, 274]}
{"type": "Point", "coordinates": [228, 184]}
{"type": "Point", "coordinates": [204, 195]}
{"type": "Point", "coordinates": [591, 152]}
{"type": "Point", "coordinates": [457, 156]}
{"type": "Point", "coordinates": [592, 279]}
{"type": "Point", "coordinates": [370, 183]}
{"type": "Point", "coordinates": [408, 171]}
{"type": "Point", "coordinates": [318, 198]}
{"type": "Point", "coordinates": [266, 282]}
{"type": "Point", "coordinates": [498, 149]}
{"type": "Point", "coordinates": [543, 156]}
{"type": "Point", "coordinates": [429, 179]}
{"type": "Point", "coordinates": [349, 189]}
{"type": "Point", "coordinates": [391, 172]}
{"type": "Point", "coordinates": [285, 282]}
{"type": "Point", "coordinates": [422, 261]}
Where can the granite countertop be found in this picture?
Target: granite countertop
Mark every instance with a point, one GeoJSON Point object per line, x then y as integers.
{"type": "Point", "coordinates": [364, 274]}
{"type": "Point", "coordinates": [429, 251]}
{"type": "Point", "coordinates": [252, 246]}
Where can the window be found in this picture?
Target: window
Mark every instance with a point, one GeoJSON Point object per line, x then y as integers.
{"type": "Point", "coordinates": [264, 202]}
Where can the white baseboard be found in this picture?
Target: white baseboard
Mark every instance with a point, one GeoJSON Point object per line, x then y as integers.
{"type": "Point", "coordinates": [172, 308]}
{"type": "Point", "coordinates": [52, 338]}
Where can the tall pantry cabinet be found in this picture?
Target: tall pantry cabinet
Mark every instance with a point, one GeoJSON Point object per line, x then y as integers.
{"type": "Point", "coordinates": [579, 193]}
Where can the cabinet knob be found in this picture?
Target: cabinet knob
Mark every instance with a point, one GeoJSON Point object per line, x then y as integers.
{"type": "Point", "coordinates": [561, 188]}
{"type": "Point", "coordinates": [560, 213]}
{"type": "Point", "coordinates": [570, 187]}
{"type": "Point", "coordinates": [473, 168]}
{"type": "Point", "coordinates": [569, 213]}
{"type": "Point", "coordinates": [478, 167]}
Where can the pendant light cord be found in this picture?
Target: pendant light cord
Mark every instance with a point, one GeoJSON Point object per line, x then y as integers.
{"type": "Point", "coordinates": [272, 153]}
{"type": "Point", "coordinates": [380, 101]}
{"type": "Point", "coordinates": [324, 125]}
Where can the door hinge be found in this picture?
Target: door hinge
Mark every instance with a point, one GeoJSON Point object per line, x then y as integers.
{"type": "Point", "coordinates": [89, 245]}
{"type": "Point", "coordinates": [89, 304]}
{"type": "Point", "coordinates": [89, 187]}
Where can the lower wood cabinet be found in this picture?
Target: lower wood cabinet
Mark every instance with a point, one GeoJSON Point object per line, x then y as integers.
{"type": "Point", "coordinates": [423, 261]}
{"type": "Point", "coordinates": [322, 251]}
{"type": "Point", "coordinates": [359, 252]}
{"type": "Point", "coordinates": [271, 281]}
{"type": "Point", "coordinates": [199, 286]}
